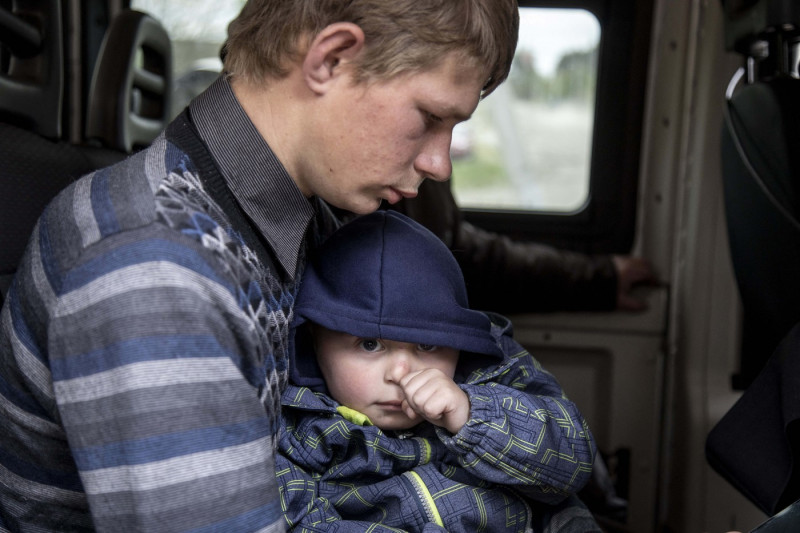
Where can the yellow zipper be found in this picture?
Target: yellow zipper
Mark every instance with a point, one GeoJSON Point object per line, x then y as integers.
{"type": "Point", "coordinates": [425, 497]}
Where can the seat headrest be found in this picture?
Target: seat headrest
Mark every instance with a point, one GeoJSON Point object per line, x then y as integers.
{"type": "Point", "coordinates": [31, 88]}
{"type": "Point", "coordinates": [130, 91]}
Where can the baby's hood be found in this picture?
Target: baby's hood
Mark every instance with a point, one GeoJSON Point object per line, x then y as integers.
{"type": "Point", "coordinates": [385, 276]}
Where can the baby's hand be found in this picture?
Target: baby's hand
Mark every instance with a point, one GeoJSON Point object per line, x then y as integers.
{"type": "Point", "coordinates": [436, 398]}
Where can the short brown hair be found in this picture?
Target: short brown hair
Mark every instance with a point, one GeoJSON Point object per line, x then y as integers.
{"type": "Point", "coordinates": [401, 35]}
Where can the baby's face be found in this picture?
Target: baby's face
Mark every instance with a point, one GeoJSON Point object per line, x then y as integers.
{"type": "Point", "coordinates": [364, 374]}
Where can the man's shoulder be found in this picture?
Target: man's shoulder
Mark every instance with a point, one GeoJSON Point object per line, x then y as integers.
{"type": "Point", "coordinates": [153, 195]}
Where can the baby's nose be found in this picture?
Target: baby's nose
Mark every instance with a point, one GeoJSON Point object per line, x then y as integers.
{"type": "Point", "coordinates": [399, 366]}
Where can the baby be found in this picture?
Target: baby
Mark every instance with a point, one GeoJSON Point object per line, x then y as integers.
{"type": "Point", "coordinates": [407, 410]}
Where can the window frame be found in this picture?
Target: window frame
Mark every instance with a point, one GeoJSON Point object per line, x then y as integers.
{"type": "Point", "coordinates": [607, 222]}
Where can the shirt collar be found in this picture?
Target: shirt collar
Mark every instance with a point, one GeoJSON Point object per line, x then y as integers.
{"type": "Point", "coordinates": [255, 176]}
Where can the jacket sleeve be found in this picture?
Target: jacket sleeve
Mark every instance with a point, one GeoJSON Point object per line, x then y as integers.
{"type": "Point", "coordinates": [511, 276]}
{"type": "Point", "coordinates": [298, 482]}
{"type": "Point", "coordinates": [303, 507]}
{"type": "Point", "coordinates": [307, 460]}
{"type": "Point", "coordinates": [305, 510]}
{"type": "Point", "coordinates": [514, 277]}
{"type": "Point", "coordinates": [524, 433]}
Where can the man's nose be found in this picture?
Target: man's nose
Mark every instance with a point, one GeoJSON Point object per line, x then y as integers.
{"type": "Point", "coordinates": [434, 161]}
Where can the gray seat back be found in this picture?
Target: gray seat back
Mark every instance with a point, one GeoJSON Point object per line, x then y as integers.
{"type": "Point", "coordinates": [128, 108]}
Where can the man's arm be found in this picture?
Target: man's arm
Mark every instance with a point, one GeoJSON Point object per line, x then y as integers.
{"type": "Point", "coordinates": [510, 276]}
{"type": "Point", "coordinates": [150, 347]}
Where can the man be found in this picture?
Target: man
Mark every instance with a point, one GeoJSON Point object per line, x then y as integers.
{"type": "Point", "coordinates": [143, 341]}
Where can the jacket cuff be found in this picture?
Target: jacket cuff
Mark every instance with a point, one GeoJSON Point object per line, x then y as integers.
{"type": "Point", "coordinates": [481, 410]}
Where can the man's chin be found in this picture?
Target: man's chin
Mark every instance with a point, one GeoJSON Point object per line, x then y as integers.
{"type": "Point", "coordinates": [364, 208]}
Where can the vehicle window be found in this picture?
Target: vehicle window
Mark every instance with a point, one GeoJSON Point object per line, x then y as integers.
{"type": "Point", "coordinates": [197, 29]}
{"type": "Point", "coordinates": [528, 145]}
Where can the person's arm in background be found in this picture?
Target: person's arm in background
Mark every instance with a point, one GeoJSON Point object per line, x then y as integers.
{"type": "Point", "coordinates": [511, 276]}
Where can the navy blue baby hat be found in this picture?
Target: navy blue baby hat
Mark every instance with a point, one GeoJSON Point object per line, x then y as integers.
{"type": "Point", "coordinates": [385, 276]}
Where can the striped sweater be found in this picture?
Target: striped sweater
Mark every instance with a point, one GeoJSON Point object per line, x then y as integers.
{"type": "Point", "coordinates": [143, 352]}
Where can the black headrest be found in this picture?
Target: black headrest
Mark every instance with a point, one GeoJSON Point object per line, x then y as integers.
{"type": "Point", "coordinates": [130, 92]}
{"type": "Point", "coordinates": [32, 170]}
{"type": "Point", "coordinates": [31, 86]}
{"type": "Point", "coordinates": [753, 25]}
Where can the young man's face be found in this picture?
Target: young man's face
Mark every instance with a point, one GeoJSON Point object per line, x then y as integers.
{"type": "Point", "coordinates": [363, 374]}
{"type": "Point", "coordinates": [379, 140]}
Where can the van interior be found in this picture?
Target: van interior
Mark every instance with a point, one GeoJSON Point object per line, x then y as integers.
{"type": "Point", "coordinates": [665, 129]}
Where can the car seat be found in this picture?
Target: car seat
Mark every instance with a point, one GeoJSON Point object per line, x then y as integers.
{"type": "Point", "coordinates": [128, 107]}
{"type": "Point", "coordinates": [129, 99]}
{"type": "Point", "coordinates": [34, 164]}
{"type": "Point", "coordinates": [761, 179]}
{"type": "Point", "coordinates": [755, 445]}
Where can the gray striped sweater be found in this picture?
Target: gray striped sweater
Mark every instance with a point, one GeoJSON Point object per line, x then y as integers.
{"type": "Point", "coordinates": [143, 351]}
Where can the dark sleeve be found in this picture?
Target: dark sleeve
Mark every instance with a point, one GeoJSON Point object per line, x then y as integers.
{"type": "Point", "coordinates": [513, 276]}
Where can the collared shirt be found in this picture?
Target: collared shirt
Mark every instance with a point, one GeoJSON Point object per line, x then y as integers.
{"type": "Point", "coordinates": [255, 176]}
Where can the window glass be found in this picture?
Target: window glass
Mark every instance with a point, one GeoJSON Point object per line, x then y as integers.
{"type": "Point", "coordinates": [197, 29]}
{"type": "Point", "coordinates": [528, 145]}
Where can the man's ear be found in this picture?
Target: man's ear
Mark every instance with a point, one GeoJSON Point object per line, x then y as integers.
{"type": "Point", "coordinates": [340, 42]}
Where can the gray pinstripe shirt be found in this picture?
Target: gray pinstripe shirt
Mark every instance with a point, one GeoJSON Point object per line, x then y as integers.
{"type": "Point", "coordinates": [245, 162]}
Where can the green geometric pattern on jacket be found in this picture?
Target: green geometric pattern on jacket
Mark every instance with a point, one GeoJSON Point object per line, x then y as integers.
{"type": "Point", "coordinates": [524, 445]}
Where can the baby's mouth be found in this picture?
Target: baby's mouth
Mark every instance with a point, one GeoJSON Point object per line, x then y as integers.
{"type": "Point", "coordinates": [391, 406]}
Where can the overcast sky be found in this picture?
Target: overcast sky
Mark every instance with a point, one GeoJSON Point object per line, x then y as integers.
{"type": "Point", "coordinates": [550, 33]}
{"type": "Point", "coordinates": [193, 19]}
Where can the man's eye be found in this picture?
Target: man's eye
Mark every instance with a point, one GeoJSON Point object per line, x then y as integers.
{"type": "Point", "coordinates": [371, 345]}
{"type": "Point", "coordinates": [430, 117]}
{"type": "Point", "coordinates": [427, 347]}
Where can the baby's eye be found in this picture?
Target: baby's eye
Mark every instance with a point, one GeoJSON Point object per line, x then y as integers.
{"type": "Point", "coordinates": [427, 347]}
{"type": "Point", "coordinates": [370, 345]}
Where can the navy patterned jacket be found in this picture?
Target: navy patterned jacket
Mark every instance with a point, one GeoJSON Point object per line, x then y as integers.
{"type": "Point", "coordinates": [515, 466]}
